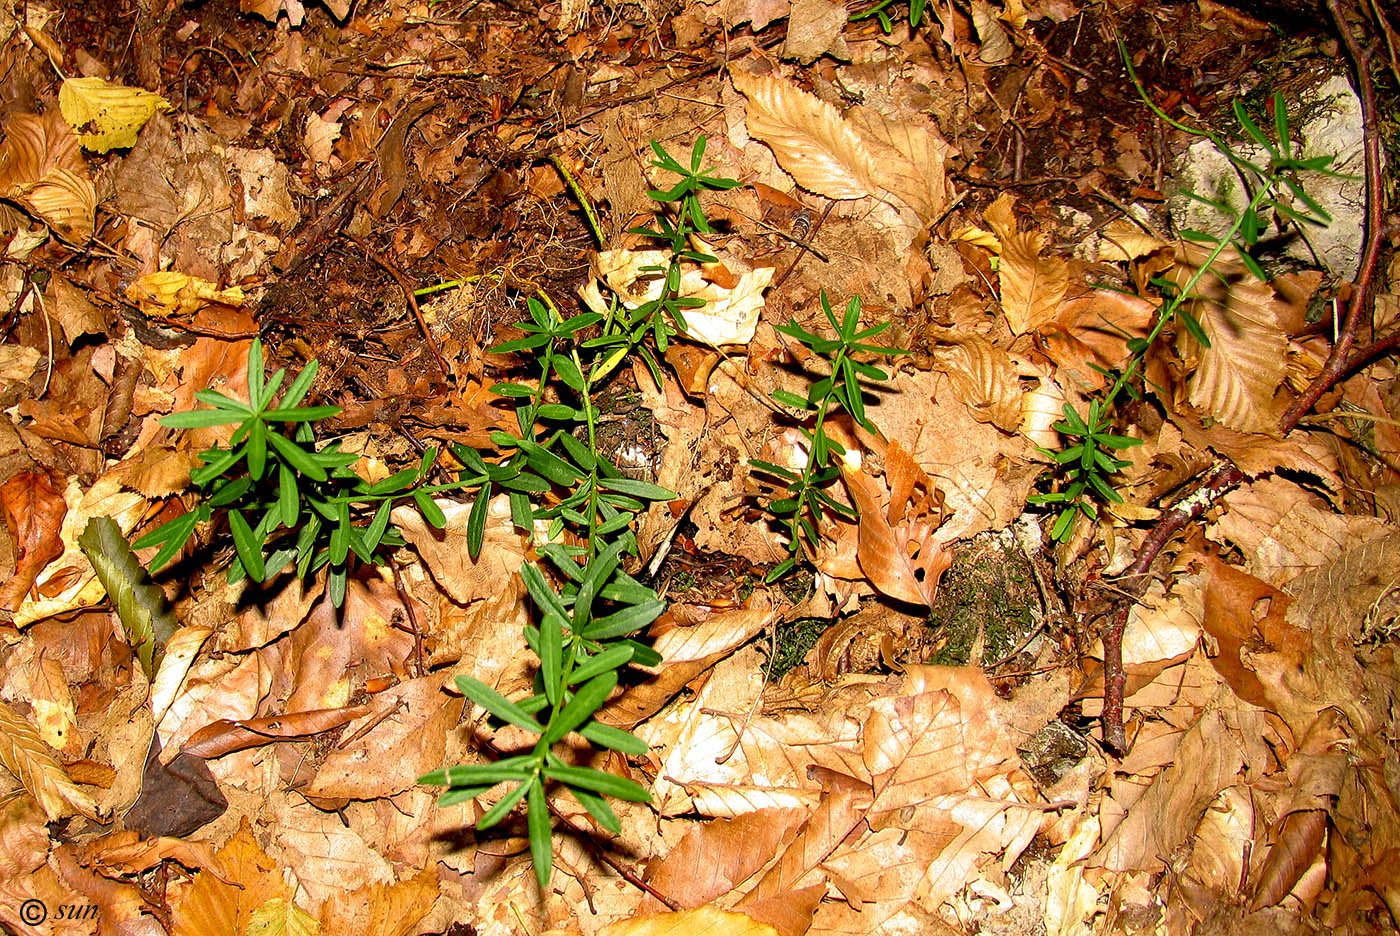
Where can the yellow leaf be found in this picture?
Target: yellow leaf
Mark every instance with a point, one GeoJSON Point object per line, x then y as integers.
{"type": "Point", "coordinates": [107, 116]}
{"type": "Point", "coordinates": [169, 292]}
{"type": "Point", "coordinates": [280, 916]}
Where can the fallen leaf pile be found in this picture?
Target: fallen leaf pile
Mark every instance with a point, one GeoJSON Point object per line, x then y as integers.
{"type": "Point", "coordinates": [254, 769]}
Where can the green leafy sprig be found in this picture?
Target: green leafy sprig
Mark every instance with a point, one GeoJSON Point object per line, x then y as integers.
{"type": "Point", "coordinates": [840, 391]}
{"type": "Point", "coordinates": [588, 608]}
{"type": "Point", "coordinates": [1084, 466]}
{"type": "Point", "coordinates": [287, 499]}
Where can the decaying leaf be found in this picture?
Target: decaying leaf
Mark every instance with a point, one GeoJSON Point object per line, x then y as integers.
{"type": "Point", "coordinates": [25, 755]}
{"type": "Point", "coordinates": [107, 116]}
{"type": "Point", "coordinates": [42, 169]}
{"type": "Point", "coordinates": [904, 562]}
{"type": "Point", "coordinates": [1237, 379]}
{"type": "Point", "coordinates": [168, 293]}
{"type": "Point", "coordinates": [996, 44]}
{"type": "Point", "coordinates": [34, 514]}
{"type": "Point", "coordinates": [982, 375]}
{"type": "Point", "coordinates": [811, 139]}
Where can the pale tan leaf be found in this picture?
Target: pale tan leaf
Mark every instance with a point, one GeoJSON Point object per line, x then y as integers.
{"type": "Point", "coordinates": [913, 749]}
{"type": "Point", "coordinates": [382, 909]}
{"type": "Point", "coordinates": [728, 801]}
{"type": "Point", "coordinates": [1031, 285]}
{"type": "Point", "coordinates": [1070, 901]}
{"type": "Point", "coordinates": [810, 138]}
{"type": "Point", "coordinates": [224, 736]}
{"type": "Point", "coordinates": [1209, 760]}
{"type": "Point", "coordinates": [703, 921]}
{"type": "Point", "coordinates": [717, 856]}
{"type": "Point", "coordinates": [42, 169]}
{"type": "Point", "coordinates": [1223, 840]}
{"type": "Point", "coordinates": [167, 293]}
{"type": "Point", "coordinates": [1238, 377]}
{"type": "Point", "coordinates": [982, 375]}
{"type": "Point", "coordinates": [908, 160]}
{"type": "Point", "coordinates": [107, 116]}
{"type": "Point", "coordinates": [996, 44]}
{"type": "Point", "coordinates": [447, 557]}
{"type": "Point", "coordinates": [1123, 240]}
{"type": "Point", "coordinates": [409, 725]}
{"type": "Point", "coordinates": [719, 634]}
{"type": "Point", "coordinates": [845, 802]}
{"type": "Point", "coordinates": [1283, 530]}
{"type": "Point", "coordinates": [25, 756]}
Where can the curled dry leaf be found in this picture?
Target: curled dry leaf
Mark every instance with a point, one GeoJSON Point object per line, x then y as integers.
{"type": "Point", "coordinates": [168, 293]}
{"type": "Point", "coordinates": [1031, 285]}
{"type": "Point", "coordinates": [904, 562]}
{"type": "Point", "coordinates": [996, 44]}
{"type": "Point", "coordinates": [225, 736]}
{"type": "Point", "coordinates": [34, 514]}
{"type": "Point", "coordinates": [1237, 378]}
{"type": "Point", "coordinates": [982, 375]}
{"type": "Point", "coordinates": [26, 756]}
{"type": "Point", "coordinates": [42, 170]}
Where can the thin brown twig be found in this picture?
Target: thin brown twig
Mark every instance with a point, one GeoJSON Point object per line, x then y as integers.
{"type": "Point", "coordinates": [408, 288]}
{"type": "Point", "coordinates": [1340, 363]}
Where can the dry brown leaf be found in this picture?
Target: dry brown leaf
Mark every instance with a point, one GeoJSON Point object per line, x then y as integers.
{"type": "Point", "coordinates": [42, 169]}
{"type": "Point", "coordinates": [1283, 530]}
{"type": "Point", "coordinates": [1091, 330]}
{"type": "Point", "coordinates": [127, 852]}
{"type": "Point", "coordinates": [382, 909]}
{"type": "Point", "coordinates": [1238, 377]}
{"type": "Point", "coordinates": [810, 138]}
{"type": "Point", "coordinates": [1242, 614]}
{"type": "Point", "coordinates": [1208, 761]}
{"type": "Point", "coordinates": [704, 921]}
{"type": "Point", "coordinates": [445, 551]}
{"type": "Point", "coordinates": [410, 726]}
{"type": "Point", "coordinates": [717, 856]}
{"type": "Point", "coordinates": [224, 736]}
{"type": "Point", "coordinates": [34, 514]}
{"type": "Point", "coordinates": [845, 802]}
{"type": "Point", "coordinates": [222, 903]}
{"type": "Point", "coordinates": [904, 562]}
{"type": "Point", "coordinates": [996, 44]}
{"type": "Point", "coordinates": [1031, 285]}
{"type": "Point", "coordinates": [26, 756]}
{"type": "Point", "coordinates": [908, 160]}
{"type": "Point", "coordinates": [982, 376]}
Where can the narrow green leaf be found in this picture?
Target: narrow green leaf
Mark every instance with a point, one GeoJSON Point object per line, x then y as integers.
{"type": "Point", "coordinates": [497, 704]}
{"type": "Point", "coordinates": [615, 738]}
{"type": "Point", "coordinates": [476, 522]}
{"type": "Point", "coordinates": [599, 782]}
{"type": "Point", "coordinates": [551, 652]}
{"type": "Point", "coordinates": [246, 545]}
{"type": "Point", "coordinates": [255, 375]}
{"type": "Point", "coordinates": [201, 419]}
{"type": "Point", "coordinates": [599, 809]}
{"type": "Point", "coordinates": [587, 699]}
{"type": "Point", "coordinates": [430, 510]}
{"type": "Point", "coordinates": [297, 457]}
{"type": "Point", "coordinates": [505, 804]}
{"type": "Point", "coordinates": [625, 621]}
{"type": "Point", "coordinates": [537, 821]}
{"type": "Point", "coordinates": [642, 489]}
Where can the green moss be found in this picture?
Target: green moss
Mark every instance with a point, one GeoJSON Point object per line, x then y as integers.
{"type": "Point", "coordinates": [989, 593]}
{"type": "Point", "coordinates": [795, 638]}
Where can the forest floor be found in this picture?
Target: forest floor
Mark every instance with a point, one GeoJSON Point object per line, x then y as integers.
{"type": "Point", "coordinates": [899, 690]}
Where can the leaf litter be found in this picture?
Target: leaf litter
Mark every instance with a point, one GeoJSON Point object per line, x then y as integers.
{"type": "Point", "coordinates": [987, 183]}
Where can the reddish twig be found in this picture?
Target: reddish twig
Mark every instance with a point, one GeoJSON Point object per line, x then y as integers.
{"type": "Point", "coordinates": [399, 277]}
{"type": "Point", "coordinates": [1341, 362]}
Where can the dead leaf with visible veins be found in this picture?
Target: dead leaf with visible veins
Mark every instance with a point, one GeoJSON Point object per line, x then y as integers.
{"type": "Point", "coordinates": [904, 562]}
{"type": "Point", "coordinates": [107, 116]}
{"type": "Point", "coordinates": [167, 293]}
{"type": "Point", "coordinates": [42, 170]}
{"type": "Point", "coordinates": [810, 138]}
{"type": "Point", "coordinates": [982, 376]}
{"type": "Point", "coordinates": [1238, 378]}
{"type": "Point", "coordinates": [718, 856]}
{"type": "Point", "coordinates": [25, 755]}
{"type": "Point", "coordinates": [34, 514]}
{"type": "Point", "coordinates": [382, 909]}
{"type": "Point", "coordinates": [224, 902]}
